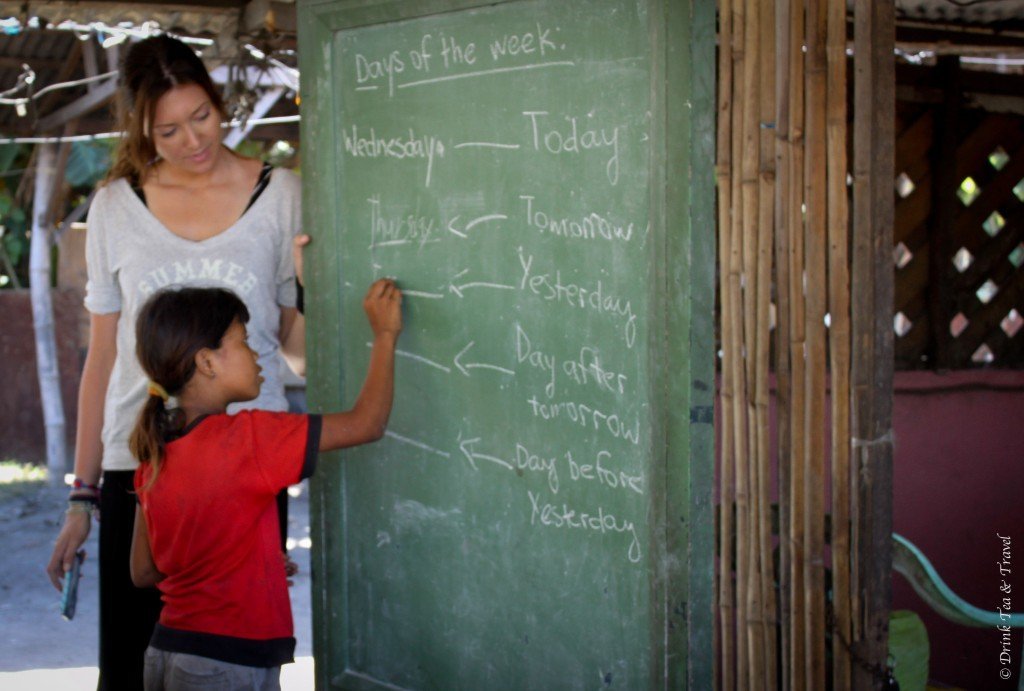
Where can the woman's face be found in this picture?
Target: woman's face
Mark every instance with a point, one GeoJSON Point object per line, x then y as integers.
{"type": "Point", "coordinates": [186, 129]}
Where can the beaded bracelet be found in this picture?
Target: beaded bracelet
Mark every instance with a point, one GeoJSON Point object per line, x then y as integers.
{"type": "Point", "coordinates": [80, 507]}
{"type": "Point", "coordinates": [79, 483]}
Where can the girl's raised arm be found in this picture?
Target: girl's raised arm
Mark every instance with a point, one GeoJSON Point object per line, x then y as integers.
{"type": "Point", "coordinates": [368, 418]}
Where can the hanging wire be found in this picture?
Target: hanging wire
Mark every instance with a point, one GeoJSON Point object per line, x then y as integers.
{"type": "Point", "coordinates": [57, 139]}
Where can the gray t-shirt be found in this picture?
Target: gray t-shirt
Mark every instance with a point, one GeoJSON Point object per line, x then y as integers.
{"type": "Point", "coordinates": [130, 255]}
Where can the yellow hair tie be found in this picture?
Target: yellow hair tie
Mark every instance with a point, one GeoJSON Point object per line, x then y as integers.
{"type": "Point", "coordinates": [155, 389]}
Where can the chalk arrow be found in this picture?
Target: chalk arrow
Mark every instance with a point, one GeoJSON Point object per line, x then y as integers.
{"type": "Point", "coordinates": [466, 446]}
{"type": "Point", "coordinates": [464, 368]}
{"type": "Point", "coordinates": [474, 222]}
{"type": "Point", "coordinates": [457, 289]}
{"type": "Point", "coordinates": [451, 227]}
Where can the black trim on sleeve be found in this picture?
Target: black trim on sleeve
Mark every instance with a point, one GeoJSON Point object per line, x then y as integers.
{"type": "Point", "coordinates": [238, 651]}
{"type": "Point", "coordinates": [316, 423]}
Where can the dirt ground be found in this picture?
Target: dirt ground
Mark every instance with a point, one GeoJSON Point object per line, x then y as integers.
{"type": "Point", "coordinates": [40, 651]}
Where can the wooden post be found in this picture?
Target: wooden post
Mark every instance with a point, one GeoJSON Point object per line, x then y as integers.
{"type": "Point", "coordinates": [872, 334]}
{"type": "Point", "coordinates": [797, 341]}
{"type": "Point", "coordinates": [814, 411]}
{"type": "Point", "coordinates": [767, 615]}
{"type": "Point", "coordinates": [839, 338]}
{"type": "Point", "coordinates": [726, 594]}
{"type": "Point", "coordinates": [783, 219]}
{"type": "Point", "coordinates": [735, 272]}
{"type": "Point", "coordinates": [42, 314]}
{"type": "Point", "coordinates": [749, 164]}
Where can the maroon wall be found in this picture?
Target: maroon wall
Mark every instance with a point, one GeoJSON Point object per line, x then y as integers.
{"type": "Point", "coordinates": [958, 480]}
{"type": "Point", "coordinates": [22, 433]}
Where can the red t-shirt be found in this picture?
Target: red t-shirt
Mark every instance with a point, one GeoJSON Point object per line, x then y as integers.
{"type": "Point", "coordinates": [214, 534]}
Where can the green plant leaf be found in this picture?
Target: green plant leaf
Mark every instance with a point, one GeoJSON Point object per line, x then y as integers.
{"type": "Point", "coordinates": [87, 163]}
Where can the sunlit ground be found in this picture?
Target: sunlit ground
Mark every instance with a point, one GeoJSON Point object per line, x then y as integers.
{"type": "Point", "coordinates": [41, 652]}
{"type": "Point", "coordinates": [294, 677]}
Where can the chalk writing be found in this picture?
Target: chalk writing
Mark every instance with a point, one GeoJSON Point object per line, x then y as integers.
{"type": "Point", "coordinates": [399, 230]}
{"type": "Point", "coordinates": [398, 147]}
{"type": "Point", "coordinates": [466, 446]}
{"type": "Point", "coordinates": [485, 73]}
{"type": "Point", "coordinates": [589, 226]}
{"type": "Point", "coordinates": [369, 69]}
{"type": "Point", "coordinates": [526, 43]}
{"type": "Point", "coordinates": [490, 145]}
{"type": "Point", "coordinates": [589, 297]}
{"type": "Point", "coordinates": [600, 472]}
{"type": "Point", "coordinates": [585, 368]}
{"type": "Point", "coordinates": [406, 293]}
{"type": "Point", "coordinates": [526, 460]}
{"type": "Point", "coordinates": [547, 137]}
{"type": "Point", "coordinates": [418, 444]}
{"type": "Point", "coordinates": [586, 416]}
{"type": "Point", "coordinates": [552, 516]}
{"type": "Point", "coordinates": [455, 53]}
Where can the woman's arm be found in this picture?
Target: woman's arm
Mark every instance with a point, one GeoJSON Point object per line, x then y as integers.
{"type": "Point", "coordinates": [143, 568]}
{"type": "Point", "coordinates": [293, 322]}
{"type": "Point", "coordinates": [92, 393]}
{"type": "Point", "coordinates": [293, 339]}
{"type": "Point", "coordinates": [368, 418]}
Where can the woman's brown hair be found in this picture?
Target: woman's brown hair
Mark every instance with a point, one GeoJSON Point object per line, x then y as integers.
{"type": "Point", "coordinates": [151, 68]}
{"type": "Point", "coordinates": [172, 327]}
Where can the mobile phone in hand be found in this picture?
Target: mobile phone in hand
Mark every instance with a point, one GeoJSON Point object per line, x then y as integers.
{"type": "Point", "coordinates": [69, 596]}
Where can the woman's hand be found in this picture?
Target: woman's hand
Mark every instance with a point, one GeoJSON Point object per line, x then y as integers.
{"type": "Point", "coordinates": [383, 305]}
{"type": "Point", "coordinates": [298, 243]}
{"type": "Point", "coordinates": [72, 536]}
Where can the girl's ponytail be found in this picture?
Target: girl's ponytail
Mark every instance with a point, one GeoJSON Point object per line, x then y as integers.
{"type": "Point", "coordinates": [149, 436]}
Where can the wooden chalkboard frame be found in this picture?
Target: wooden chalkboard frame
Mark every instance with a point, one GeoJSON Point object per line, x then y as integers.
{"type": "Point", "coordinates": [682, 296]}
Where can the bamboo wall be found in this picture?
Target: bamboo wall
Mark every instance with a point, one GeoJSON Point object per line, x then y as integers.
{"type": "Point", "coordinates": [784, 263]}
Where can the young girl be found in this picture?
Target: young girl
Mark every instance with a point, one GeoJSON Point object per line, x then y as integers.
{"type": "Point", "coordinates": [207, 532]}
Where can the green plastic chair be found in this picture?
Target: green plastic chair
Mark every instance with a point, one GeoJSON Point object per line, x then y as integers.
{"type": "Point", "coordinates": [908, 560]}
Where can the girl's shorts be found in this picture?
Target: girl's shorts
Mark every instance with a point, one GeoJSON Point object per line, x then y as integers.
{"type": "Point", "coordinates": [166, 671]}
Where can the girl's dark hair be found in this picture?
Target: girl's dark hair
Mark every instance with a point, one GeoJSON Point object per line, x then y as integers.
{"type": "Point", "coordinates": [172, 327]}
{"type": "Point", "coordinates": [151, 68]}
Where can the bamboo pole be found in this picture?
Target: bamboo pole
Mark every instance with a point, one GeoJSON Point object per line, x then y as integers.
{"type": "Point", "coordinates": [762, 352]}
{"type": "Point", "coordinates": [839, 338]}
{"type": "Point", "coordinates": [736, 345]}
{"type": "Point", "coordinates": [42, 313]}
{"type": "Point", "coordinates": [815, 249]}
{"type": "Point", "coordinates": [727, 494]}
{"type": "Point", "coordinates": [798, 643]}
{"type": "Point", "coordinates": [871, 370]}
{"type": "Point", "coordinates": [782, 369]}
{"type": "Point", "coordinates": [750, 173]}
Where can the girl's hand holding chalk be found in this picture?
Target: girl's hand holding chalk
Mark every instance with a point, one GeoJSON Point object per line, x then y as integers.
{"type": "Point", "coordinates": [383, 305]}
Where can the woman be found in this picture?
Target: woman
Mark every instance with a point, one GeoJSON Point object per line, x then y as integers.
{"type": "Point", "coordinates": [178, 208]}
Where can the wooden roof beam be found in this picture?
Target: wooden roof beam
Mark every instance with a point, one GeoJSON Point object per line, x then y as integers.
{"type": "Point", "coordinates": [94, 99]}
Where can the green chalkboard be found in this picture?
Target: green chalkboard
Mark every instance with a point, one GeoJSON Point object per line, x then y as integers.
{"type": "Point", "coordinates": [537, 176]}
